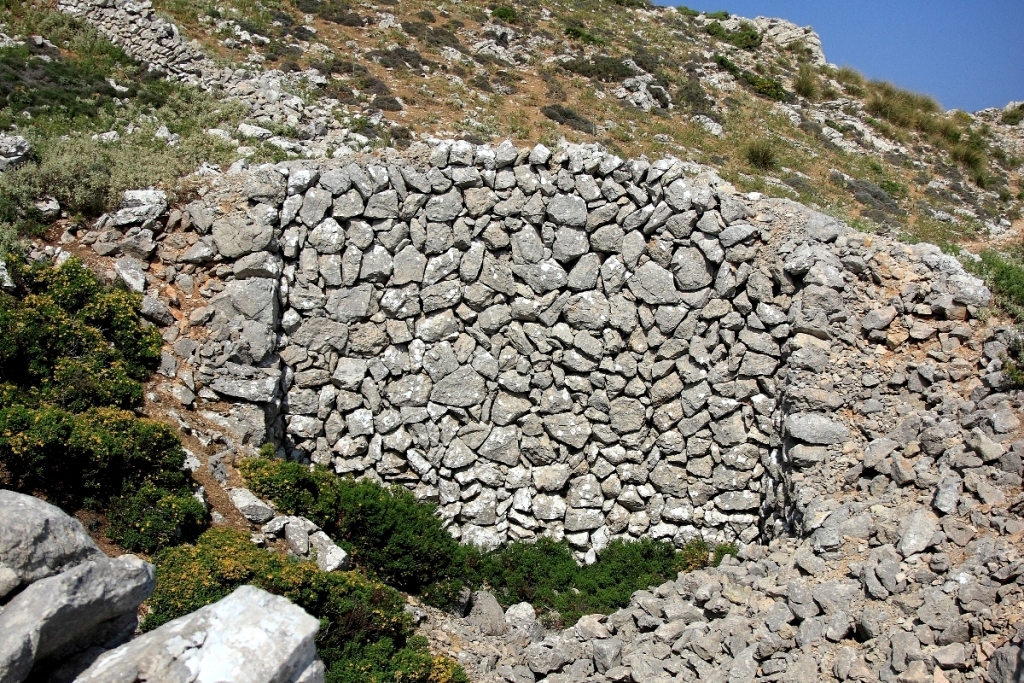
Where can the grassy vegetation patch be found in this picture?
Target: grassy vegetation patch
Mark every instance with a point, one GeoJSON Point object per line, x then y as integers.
{"type": "Point", "coordinates": [387, 530]}
{"type": "Point", "coordinates": [578, 31]}
{"type": "Point", "coordinates": [546, 575]}
{"type": "Point", "coordinates": [152, 518]}
{"type": "Point", "coordinates": [805, 84]}
{"type": "Point", "coordinates": [434, 37]}
{"type": "Point", "coordinates": [1013, 116]}
{"type": "Point", "coordinates": [84, 87]}
{"type": "Point", "coordinates": [1004, 275]}
{"type": "Point", "coordinates": [761, 154]}
{"type": "Point", "coordinates": [505, 13]}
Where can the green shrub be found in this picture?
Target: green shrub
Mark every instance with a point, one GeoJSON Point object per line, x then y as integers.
{"type": "Point", "coordinates": [568, 117]}
{"type": "Point", "coordinates": [67, 340]}
{"type": "Point", "coordinates": [720, 15]}
{"type": "Point", "coordinates": [68, 96]}
{"type": "Point", "coordinates": [1004, 275]}
{"type": "Point", "coordinates": [504, 13]}
{"type": "Point", "coordinates": [73, 459]}
{"type": "Point", "coordinates": [691, 94]}
{"type": "Point", "coordinates": [529, 572]}
{"type": "Point", "coordinates": [805, 83]}
{"type": "Point", "coordinates": [296, 489]}
{"type": "Point", "coordinates": [968, 156]}
{"type": "Point", "coordinates": [579, 32]}
{"type": "Point", "coordinates": [1013, 116]}
{"type": "Point", "coordinates": [389, 532]}
{"type": "Point", "coordinates": [762, 85]}
{"type": "Point", "coordinates": [746, 37]}
{"type": "Point", "coordinates": [600, 68]}
{"type": "Point", "coordinates": [403, 542]}
{"type": "Point", "coordinates": [546, 575]}
{"type": "Point", "coordinates": [723, 549]}
{"type": "Point", "coordinates": [901, 107]}
{"type": "Point", "coordinates": [152, 518]}
{"type": "Point", "coordinates": [693, 555]}
{"type": "Point", "coordinates": [365, 633]}
{"type": "Point", "coordinates": [851, 80]}
{"type": "Point", "coordinates": [761, 154]}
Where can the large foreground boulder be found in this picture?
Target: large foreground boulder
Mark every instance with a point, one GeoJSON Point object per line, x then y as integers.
{"type": "Point", "coordinates": [250, 636]}
{"type": "Point", "coordinates": [38, 540]}
{"type": "Point", "coordinates": [92, 604]}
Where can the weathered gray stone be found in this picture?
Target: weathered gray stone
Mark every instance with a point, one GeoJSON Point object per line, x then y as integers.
{"type": "Point", "coordinates": [486, 614]}
{"type": "Point", "coordinates": [250, 635]}
{"type": "Point", "coordinates": [572, 430]}
{"type": "Point", "coordinates": [878, 319]}
{"type": "Point", "coordinates": [463, 388]}
{"type": "Point", "coordinates": [38, 540]}
{"type": "Point", "coordinates": [653, 284]}
{"type": "Point", "coordinates": [94, 603]}
{"type": "Point", "coordinates": [567, 210]}
{"type": "Point", "coordinates": [815, 428]}
{"type": "Point", "coordinates": [235, 235]}
{"type": "Point", "coordinates": [917, 530]}
{"type": "Point", "coordinates": [251, 507]}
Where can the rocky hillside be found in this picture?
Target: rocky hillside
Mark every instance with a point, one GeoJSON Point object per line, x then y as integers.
{"type": "Point", "coordinates": [637, 79]}
{"type": "Point", "coordinates": [543, 269]}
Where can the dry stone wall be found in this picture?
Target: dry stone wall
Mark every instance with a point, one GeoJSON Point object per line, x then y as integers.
{"type": "Point", "coordinates": [550, 343]}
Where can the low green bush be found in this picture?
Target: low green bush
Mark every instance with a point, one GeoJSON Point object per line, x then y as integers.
{"type": "Point", "coordinates": [851, 80]}
{"type": "Point", "coordinates": [599, 68]}
{"type": "Point", "coordinates": [59, 98]}
{"type": "Point", "coordinates": [577, 31]}
{"type": "Point", "coordinates": [505, 13]}
{"type": "Point", "coordinates": [73, 355]}
{"type": "Point", "coordinates": [153, 518]}
{"type": "Point", "coordinates": [86, 458]}
{"type": "Point", "coordinates": [762, 85]}
{"type": "Point", "coordinates": [67, 340]}
{"type": "Point", "coordinates": [746, 37]}
{"type": "Point", "coordinates": [1004, 274]}
{"type": "Point", "coordinates": [387, 530]}
{"type": "Point", "coordinates": [568, 117]}
{"type": "Point", "coordinates": [365, 632]}
{"type": "Point", "coordinates": [900, 107]}
{"type": "Point", "coordinates": [546, 575]}
{"type": "Point", "coordinates": [723, 549]}
{"type": "Point", "coordinates": [1013, 116]}
{"type": "Point", "coordinates": [403, 542]}
{"type": "Point", "coordinates": [691, 94]}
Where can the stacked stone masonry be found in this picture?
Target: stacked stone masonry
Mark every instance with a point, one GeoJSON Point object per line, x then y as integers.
{"type": "Point", "coordinates": [564, 343]}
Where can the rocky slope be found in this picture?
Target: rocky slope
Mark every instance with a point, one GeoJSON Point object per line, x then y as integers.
{"type": "Point", "coordinates": [637, 79]}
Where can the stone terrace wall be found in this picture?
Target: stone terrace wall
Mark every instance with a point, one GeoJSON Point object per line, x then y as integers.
{"type": "Point", "coordinates": [563, 343]}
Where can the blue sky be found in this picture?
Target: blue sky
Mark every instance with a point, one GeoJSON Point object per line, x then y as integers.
{"type": "Point", "coordinates": [968, 55]}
